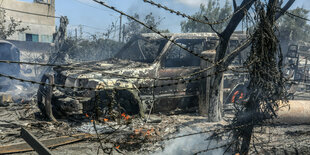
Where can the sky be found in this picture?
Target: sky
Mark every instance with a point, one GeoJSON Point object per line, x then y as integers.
{"type": "Point", "coordinates": [97, 18]}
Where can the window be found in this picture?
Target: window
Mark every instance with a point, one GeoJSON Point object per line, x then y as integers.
{"type": "Point", "coordinates": [46, 38]}
{"type": "Point", "coordinates": [142, 50]}
{"type": "Point", "coordinates": [178, 57]}
{"type": "Point", "coordinates": [32, 37]}
{"type": "Point", "coordinates": [42, 1]}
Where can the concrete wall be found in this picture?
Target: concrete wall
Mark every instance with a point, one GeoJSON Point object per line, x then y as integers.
{"type": "Point", "coordinates": [42, 26]}
{"type": "Point", "coordinates": [33, 47]}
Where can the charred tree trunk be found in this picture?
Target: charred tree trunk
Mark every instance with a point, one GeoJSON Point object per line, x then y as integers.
{"type": "Point", "coordinates": [59, 41]}
{"type": "Point", "coordinates": [215, 105]}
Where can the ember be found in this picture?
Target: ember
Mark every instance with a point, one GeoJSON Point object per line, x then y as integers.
{"type": "Point", "coordinates": [125, 117]}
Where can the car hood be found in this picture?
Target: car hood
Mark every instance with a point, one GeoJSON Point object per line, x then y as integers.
{"type": "Point", "coordinates": [110, 73]}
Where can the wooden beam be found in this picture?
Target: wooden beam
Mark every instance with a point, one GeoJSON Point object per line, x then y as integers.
{"type": "Point", "coordinates": [49, 143]}
{"type": "Point", "coordinates": [34, 142]}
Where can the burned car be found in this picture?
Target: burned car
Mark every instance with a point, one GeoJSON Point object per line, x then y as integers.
{"type": "Point", "coordinates": [8, 52]}
{"type": "Point", "coordinates": [149, 73]}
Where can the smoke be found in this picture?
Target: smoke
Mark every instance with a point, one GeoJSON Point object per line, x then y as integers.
{"type": "Point", "coordinates": [16, 89]}
{"type": "Point", "coordinates": [191, 3]}
{"type": "Point", "coordinates": [190, 145]}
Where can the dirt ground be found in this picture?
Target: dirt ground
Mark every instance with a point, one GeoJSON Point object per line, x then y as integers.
{"type": "Point", "coordinates": [135, 136]}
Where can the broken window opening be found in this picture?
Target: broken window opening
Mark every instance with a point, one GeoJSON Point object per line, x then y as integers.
{"type": "Point", "coordinates": [178, 57]}
{"type": "Point", "coordinates": [142, 50]}
{"type": "Point", "coordinates": [32, 37]}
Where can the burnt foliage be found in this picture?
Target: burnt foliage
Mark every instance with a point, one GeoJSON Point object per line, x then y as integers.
{"type": "Point", "coordinates": [267, 85]}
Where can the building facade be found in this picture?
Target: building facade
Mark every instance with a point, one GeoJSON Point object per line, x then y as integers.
{"type": "Point", "coordinates": [38, 16]}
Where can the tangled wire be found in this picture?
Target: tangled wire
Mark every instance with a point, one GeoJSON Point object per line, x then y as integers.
{"type": "Point", "coordinates": [266, 87]}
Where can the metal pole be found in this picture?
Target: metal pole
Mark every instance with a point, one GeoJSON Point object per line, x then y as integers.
{"type": "Point", "coordinates": [305, 70]}
{"type": "Point", "coordinates": [123, 38]}
{"type": "Point", "coordinates": [76, 35]}
{"type": "Point", "coordinates": [120, 29]}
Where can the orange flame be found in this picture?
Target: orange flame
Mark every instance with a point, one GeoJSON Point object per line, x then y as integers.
{"type": "Point", "coordinates": [105, 119]}
{"type": "Point", "coordinates": [234, 96]}
{"type": "Point", "coordinates": [241, 96]}
{"type": "Point", "coordinates": [86, 115]}
{"type": "Point", "coordinates": [92, 121]}
{"type": "Point", "coordinates": [117, 147]}
{"type": "Point", "coordinates": [126, 117]}
{"type": "Point", "coordinates": [123, 114]}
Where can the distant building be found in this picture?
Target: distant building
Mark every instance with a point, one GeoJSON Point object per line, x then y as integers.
{"type": "Point", "coordinates": [38, 16]}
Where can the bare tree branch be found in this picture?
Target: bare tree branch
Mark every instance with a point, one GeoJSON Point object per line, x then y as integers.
{"type": "Point", "coordinates": [246, 44]}
{"type": "Point", "coordinates": [235, 4]}
{"type": "Point", "coordinates": [211, 26]}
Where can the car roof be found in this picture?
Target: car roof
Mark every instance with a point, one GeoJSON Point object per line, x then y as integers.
{"type": "Point", "coordinates": [200, 35]}
{"type": "Point", "coordinates": [7, 42]}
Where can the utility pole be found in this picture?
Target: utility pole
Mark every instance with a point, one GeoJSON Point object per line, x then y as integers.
{"type": "Point", "coordinates": [123, 38]}
{"type": "Point", "coordinates": [81, 31]}
{"type": "Point", "coordinates": [76, 35]}
{"type": "Point", "coordinates": [305, 70]}
{"type": "Point", "coordinates": [120, 29]}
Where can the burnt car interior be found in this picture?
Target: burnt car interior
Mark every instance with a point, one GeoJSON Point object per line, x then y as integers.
{"type": "Point", "coordinates": [178, 57]}
{"type": "Point", "coordinates": [141, 49]}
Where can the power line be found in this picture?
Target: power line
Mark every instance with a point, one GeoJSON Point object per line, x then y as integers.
{"type": "Point", "coordinates": [297, 16]}
{"type": "Point", "coordinates": [292, 14]}
{"type": "Point", "coordinates": [166, 37]}
{"type": "Point", "coordinates": [86, 4]}
{"type": "Point", "coordinates": [71, 66]}
{"type": "Point", "coordinates": [102, 87]}
{"type": "Point", "coordinates": [190, 17]}
{"type": "Point", "coordinates": [30, 13]}
{"type": "Point", "coordinates": [91, 27]}
{"type": "Point", "coordinates": [156, 31]}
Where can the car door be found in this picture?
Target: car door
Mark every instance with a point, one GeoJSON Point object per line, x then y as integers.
{"type": "Point", "coordinates": [177, 62]}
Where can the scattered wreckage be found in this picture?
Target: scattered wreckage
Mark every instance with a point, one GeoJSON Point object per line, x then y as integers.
{"type": "Point", "coordinates": [139, 79]}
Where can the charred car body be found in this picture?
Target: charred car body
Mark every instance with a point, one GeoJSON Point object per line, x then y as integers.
{"type": "Point", "coordinates": [132, 82]}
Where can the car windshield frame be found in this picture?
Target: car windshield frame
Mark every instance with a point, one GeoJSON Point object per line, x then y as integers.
{"type": "Point", "coordinates": [145, 57]}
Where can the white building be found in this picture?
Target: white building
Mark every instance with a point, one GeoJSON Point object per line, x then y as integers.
{"type": "Point", "coordinates": [39, 16]}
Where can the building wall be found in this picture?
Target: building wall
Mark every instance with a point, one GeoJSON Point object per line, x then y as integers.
{"type": "Point", "coordinates": [40, 27]}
